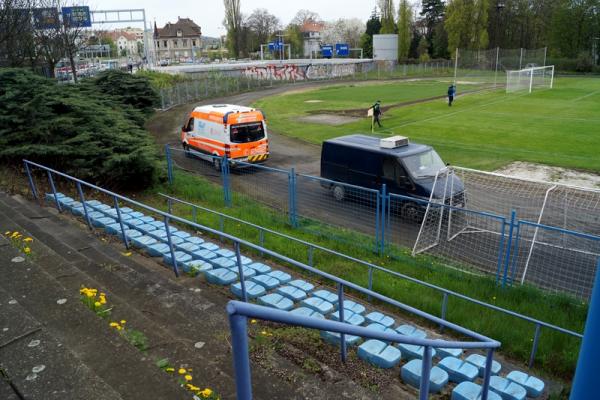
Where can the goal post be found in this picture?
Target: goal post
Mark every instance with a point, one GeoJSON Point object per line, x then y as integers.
{"type": "Point", "coordinates": [530, 78]}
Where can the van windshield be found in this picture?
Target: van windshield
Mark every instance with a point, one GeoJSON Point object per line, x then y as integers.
{"type": "Point", "coordinates": [245, 133]}
{"type": "Point", "coordinates": [424, 165]}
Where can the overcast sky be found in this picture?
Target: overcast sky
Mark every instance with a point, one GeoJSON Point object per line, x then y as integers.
{"type": "Point", "coordinates": [209, 13]}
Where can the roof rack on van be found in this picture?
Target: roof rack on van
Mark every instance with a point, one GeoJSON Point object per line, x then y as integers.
{"type": "Point", "coordinates": [393, 142]}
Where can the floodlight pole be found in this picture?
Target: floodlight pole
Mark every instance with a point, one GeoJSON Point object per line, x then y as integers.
{"type": "Point", "coordinates": [545, 53]}
{"type": "Point", "coordinates": [455, 65]}
{"type": "Point", "coordinates": [521, 59]}
{"type": "Point", "coordinates": [496, 73]}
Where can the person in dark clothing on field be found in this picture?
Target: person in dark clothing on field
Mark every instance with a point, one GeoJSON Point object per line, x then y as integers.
{"type": "Point", "coordinates": [451, 94]}
{"type": "Point", "coordinates": [377, 113]}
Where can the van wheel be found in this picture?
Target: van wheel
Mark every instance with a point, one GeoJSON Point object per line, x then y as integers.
{"type": "Point", "coordinates": [412, 212]}
{"type": "Point", "coordinates": [217, 164]}
{"type": "Point", "coordinates": [339, 193]}
{"type": "Point", "coordinates": [186, 149]}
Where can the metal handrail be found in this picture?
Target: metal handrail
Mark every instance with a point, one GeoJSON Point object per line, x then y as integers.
{"type": "Point", "coordinates": [239, 312]}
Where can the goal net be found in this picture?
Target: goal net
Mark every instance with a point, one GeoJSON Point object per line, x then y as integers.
{"type": "Point", "coordinates": [530, 78]}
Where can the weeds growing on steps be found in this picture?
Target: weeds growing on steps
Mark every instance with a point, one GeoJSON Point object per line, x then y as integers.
{"type": "Point", "coordinates": [20, 242]}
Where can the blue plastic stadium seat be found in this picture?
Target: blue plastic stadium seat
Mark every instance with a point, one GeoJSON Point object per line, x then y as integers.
{"type": "Point", "coordinates": [77, 211]}
{"type": "Point", "coordinates": [221, 276]}
{"type": "Point", "coordinates": [175, 240]}
{"type": "Point", "coordinates": [479, 361]}
{"type": "Point", "coordinates": [508, 390]}
{"type": "Point", "coordinates": [443, 353]}
{"type": "Point", "coordinates": [182, 234]}
{"type": "Point", "coordinates": [225, 253]}
{"type": "Point", "coordinates": [102, 222]}
{"type": "Point", "coordinates": [280, 276]}
{"type": "Point", "coordinates": [277, 301]}
{"type": "Point", "coordinates": [92, 203]}
{"type": "Point", "coordinates": [409, 330]}
{"type": "Point", "coordinates": [334, 338]}
{"type": "Point", "coordinates": [533, 385]}
{"type": "Point", "coordinates": [126, 210]}
{"type": "Point", "coordinates": [379, 318]}
{"type": "Point", "coordinates": [180, 256]}
{"type": "Point", "coordinates": [223, 262]}
{"type": "Point", "coordinates": [268, 282]}
{"type": "Point", "coordinates": [302, 285]}
{"type": "Point", "coordinates": [327, 296]}
{"type": "Point", "coordinates": [131, 234]}
{"type": "Point", "coordinates": [143, 242]}
{"type": "Point", "coordinates": [259, 268]}
{"type": "Point", "coordinates": [188, 247]}
{"type": "Point", "coordinates": [158, 249]}
{"type": "Point", "coordinates": [147, 228]}
{"type": "Point", "coordinates": [354, 307]}
{"type": "Point", "coordinates": [253, 290]}
{"type": "Point", "coordinates": [411, 374]}
{"type": "Point", "coordinates": [146, 219]}
{"type": "Point", "coordinates": [136, 214]}
{"type": "Point", "coordinates": [158, 224]}
{"type": "Point", "coordinates": [471, 391]}
{"type": "Point", "coordinates": [95, 215]}
{"type": "Point", "coordinates": [101, 207]}
{"type": "Point", "coordinates": [205, 255]}
{"type": "Point", "coordinates": [248, 272]}
{"type": "Point", "coordinates": [134, 223]}
{"type": "Point", "coordinates": [307, 312]}
{"type": "Point", "coordinates": [413, 352]}
{"type": "Point", "coordinates": [379, 327]}
{"type": "Point", "coordinates": [113, 214]}
{"type": "Point", "coordinates": [74, 204]}
{"type": "Point", "coordinates": [245, 260]}
{"type": "Point", "coordinates": [159, 234]}
{"type": "Point", "coordinates": [318, 304]}
{"type": "Point", "coordinates": [112, 229]}
{"type": "Point", "coordinates": [50, 196]}
{"type": "Point", "coordinates": [209, 246]}
{"type": "Point", "coordinates": [459, 370]}
{"type": "Point", "coordinates": [194, 240]}
{"type": "Point", "coordinates": [196, 267]}
{"type": "Point", "coordinates": [292, 293]}
{"type": "Point", "coordinates": [349, 317]}
{"type": "Point", "coordinates": [66, 202]}
{"type": "Point", "coordinates": [379, 353]}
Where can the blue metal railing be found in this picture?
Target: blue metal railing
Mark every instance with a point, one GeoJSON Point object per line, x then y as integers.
{"type": "Point", "coordinates": [239, 313]}
{"type": "Point", "coordinates": [372, 267]}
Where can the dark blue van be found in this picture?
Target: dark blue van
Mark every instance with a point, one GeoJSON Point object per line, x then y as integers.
{"type": "Point", "coordinates": [408, 170]}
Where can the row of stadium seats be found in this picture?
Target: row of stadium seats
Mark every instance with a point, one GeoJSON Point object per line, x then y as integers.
{"type": "Point", "coordinates": [278, 289]}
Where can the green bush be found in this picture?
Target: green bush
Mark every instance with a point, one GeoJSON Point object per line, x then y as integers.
{"type": "Point", "coordinates": [77, 129]}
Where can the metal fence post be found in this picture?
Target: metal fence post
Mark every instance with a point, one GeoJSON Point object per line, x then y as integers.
{"type": "Point", "coordinates": [425, 374]}
{"type": "Point", "coordinates": [377, 217]}
{"type": "Point", "coordinates": [116, 201]}
{"type": "Point", "coordinates": [292, 196]}
{"type": "Point", "coordinates": [341, 315]}
{"type": "Point", "coordinates": [170, 205]}
{"type": "Point", "coordinates": [513, 217]}
{"type": "Point", "coordinates": [515, 253]}
{"type": "Point", "coordinates": [384, 198]}
{"type": "Point", "coordinates": [534, 347]}
{"type": "Point", "coordinates": [82, 200]}
{"type": "Point", "coordinates": [30, 179]}
{"type": "Point", "coordinates": [58, 207]}
{"type": "Point", "coordinates": [444, 310]}
{"type": "Point", "coordinates": [488, 372]}
{"type": "Point", "coordinates": [238, 257]}
{"type": "Point", "coordinates": [241, 360]}
{"type": "Point", "coordinates": [261, 240]}
{"type": "Point", "coordinates": [169, 164]}
{"type": "Point", "coordinates": [171, 248]}
{"type": "Point", "coordinates": [501, 248]}
{"type": "Point", "coordinates": [310, 255]}
{"type": "Point", "coordinates": [225, 175]}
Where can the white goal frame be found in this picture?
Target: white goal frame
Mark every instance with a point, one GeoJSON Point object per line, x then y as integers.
{"type": "Point", "coordinates": [525, 78]}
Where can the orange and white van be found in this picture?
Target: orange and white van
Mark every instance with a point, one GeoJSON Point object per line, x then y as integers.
{"type": "Point", "coordinates": [224, 129]}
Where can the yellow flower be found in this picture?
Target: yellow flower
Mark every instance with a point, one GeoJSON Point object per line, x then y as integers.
{"type": "Point", "coordinates": [7, 233]}
{"type": "Point", "coordinates": [14, 234]}
{"type": "Point", "coordinates": [113, 325]}
{"type": "Point", "coordinates": [89, 294]}
{"type": "Point", "coordinates": [28, 239]}
{"type": "Point", "coordinates": [26, 250]}
{"type": "Point", "coordinates": [170, 369]}
{"type": "Point", "coordinates": [97, 304]}
{"type": "Point", "coordinates": [102, 300]}
{"type": "Point", "coordinates": [123, 322]}
{"type": "Point", "coordinates": [192, 388]}
{"type": "Point", "coordinates": [264, 333]}
{"type": "Point", "coordinates": [206, 392]}
{"type": "Point", "coordinates": [119, 328]}
{"type": "Point", "coordinates": [182, 371]}
{"type": "Point", "coordinates": [252, 321]}
{"type": "Point", "coordinates": [128, 254]}
{"type": "Point", "coordinates": [187, 378]}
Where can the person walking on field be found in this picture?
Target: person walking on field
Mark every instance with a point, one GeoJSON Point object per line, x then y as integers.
{"type": "Point", "coordinates": [377, 113]}
{"type": "Point", "coordinates": [451, 94]}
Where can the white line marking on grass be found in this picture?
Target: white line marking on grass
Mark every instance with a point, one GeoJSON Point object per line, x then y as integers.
{"type": "Point", "coordinates": [585, 96]}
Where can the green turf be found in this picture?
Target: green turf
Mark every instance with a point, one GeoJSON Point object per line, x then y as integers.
{"type": "Point", "coordinates": [484, 130]}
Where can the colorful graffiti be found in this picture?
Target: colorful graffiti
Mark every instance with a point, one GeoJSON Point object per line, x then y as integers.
{"type": "Point", "coordinates": [294, 72]}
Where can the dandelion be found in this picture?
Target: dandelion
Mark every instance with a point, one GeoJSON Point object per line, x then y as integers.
{"type": "Point", "coordinates": [128, 254]}
{"type": "Point", "coordinates": [123, 322]}
{"type": "Point", "coordinates": [102, 300]}
{"type": "Point", "coordinates": [28, 239]}
{"type": "Point", "coordinates": [7, 233]}
{"type": "Point", "coordinates": [263, 333]}
{"type": "Point", "coordinates": [113, 325]}
{"type": "Point", "coordinates": [169, 369]}
{"type": "Point", "coordinates": [252, 321]}
{"type": "Point", "coordinates": [187, 378]}
{"type": "Point", "coordinates": [26, 250]}
{"type": "Point", "coordinates": [97, 304]}
{"type": "Point", "coordinates": [182, 371]}
{"type": "Point", "coordinates": [206, 393]}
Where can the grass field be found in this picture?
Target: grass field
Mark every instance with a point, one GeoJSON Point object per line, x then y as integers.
{"type": "Point", "coordinates": [483, 130]}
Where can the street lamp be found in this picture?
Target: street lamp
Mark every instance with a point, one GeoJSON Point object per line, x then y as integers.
{"type": "Point", "coordinates": [499, 7]}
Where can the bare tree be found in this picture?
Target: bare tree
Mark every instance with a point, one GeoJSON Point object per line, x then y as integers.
{"type": "Point", "coordinates": [343, 31]}
{"type": "Point", "coordinates": [262, 24]}
{"type": "Point", "coordinates": [233, 24]}
{"type": "Point", "coordinates": [17, 45]}
{"type": "Point", "coordinates": [304, 16]}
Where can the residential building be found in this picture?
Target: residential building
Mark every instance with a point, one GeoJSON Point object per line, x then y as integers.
{"type": "Point", "coordinates": [177, 41]}
{"type": "Point", "coordinates": [312, 34]}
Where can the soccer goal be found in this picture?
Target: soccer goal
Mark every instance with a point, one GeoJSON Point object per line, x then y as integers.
{"type": "Point", "coordinates": [530, 78]}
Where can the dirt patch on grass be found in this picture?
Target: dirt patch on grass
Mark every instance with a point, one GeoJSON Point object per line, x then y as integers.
{"type": "Point", "coordinates": [328, 119]}
{"type": "Point", "coordinates": [547, 173]}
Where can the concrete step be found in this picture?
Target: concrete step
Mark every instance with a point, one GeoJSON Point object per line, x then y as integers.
{"type": "Point", "coordinates": [56, 312]}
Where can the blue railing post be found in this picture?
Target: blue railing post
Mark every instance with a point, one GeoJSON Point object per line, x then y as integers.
{"type": "Point", "coordinates": [261, 240]}
{"type": "Point", "coordinates": [384, 198]}
{"type": "Point", "coordinates": [170, 206]}
{"type": "Point", "coordinates": [241, 359]}
{"type": "Point", "coordinates": [501, 248]}
{"type": "Point", "coordinates": [30, 179]}
{"type": "Point", "coordinates": [513, 217]}
{"type": "Point", "coordinates": [225, 176]}
{"type": "Point", "coordinates": [292, 197]}
{"type": "Point", "coordinates": [370, 281]}
{"type": "Point", "coordinates": [487, 374]}
{"type": "Point", "coordinates": [425, 374]}
{"type": "Point", "coordinates": [58, 207]}
{"type": "Point", "coordinates": [171, 248]}
{"type": "Point", "coordinates": [82, 200]}
{"type": "Point", "coordinates": [377, 218]}
{"type": "Point", "coordinates": [515, 255]}
{"type": "Point", "coordinates": [341, 314]}
{"type": "Point", "coordinates": [238, 257]}
{"type": "Point", "coordinates": [116, 202]}
{"type": "Point", "coordinates": [169, 164]}
{"type": "Point", "coordinates": [536, 339]}
{"type": "Point", "coordinates": [310, 255]}
{"type": "Point", "coordinates": [444, 309]}
{"type": "Point", "coordinates": [586, 373]}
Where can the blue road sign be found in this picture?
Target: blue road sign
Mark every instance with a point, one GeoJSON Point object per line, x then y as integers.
{"type": "Point", "coordinates": [45, 18]}
{"type": "Point", "coordinates": [77, 17]}
{"type": "Point", "coordinates": [275, 46]}
{"type": "Point", "coordinates": [342, 50]}
{"type": "Point", "coordinates": [327, 51]}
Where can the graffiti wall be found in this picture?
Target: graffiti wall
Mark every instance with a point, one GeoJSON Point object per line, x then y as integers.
{"type": "Point", "coordinates": [293, 72]}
